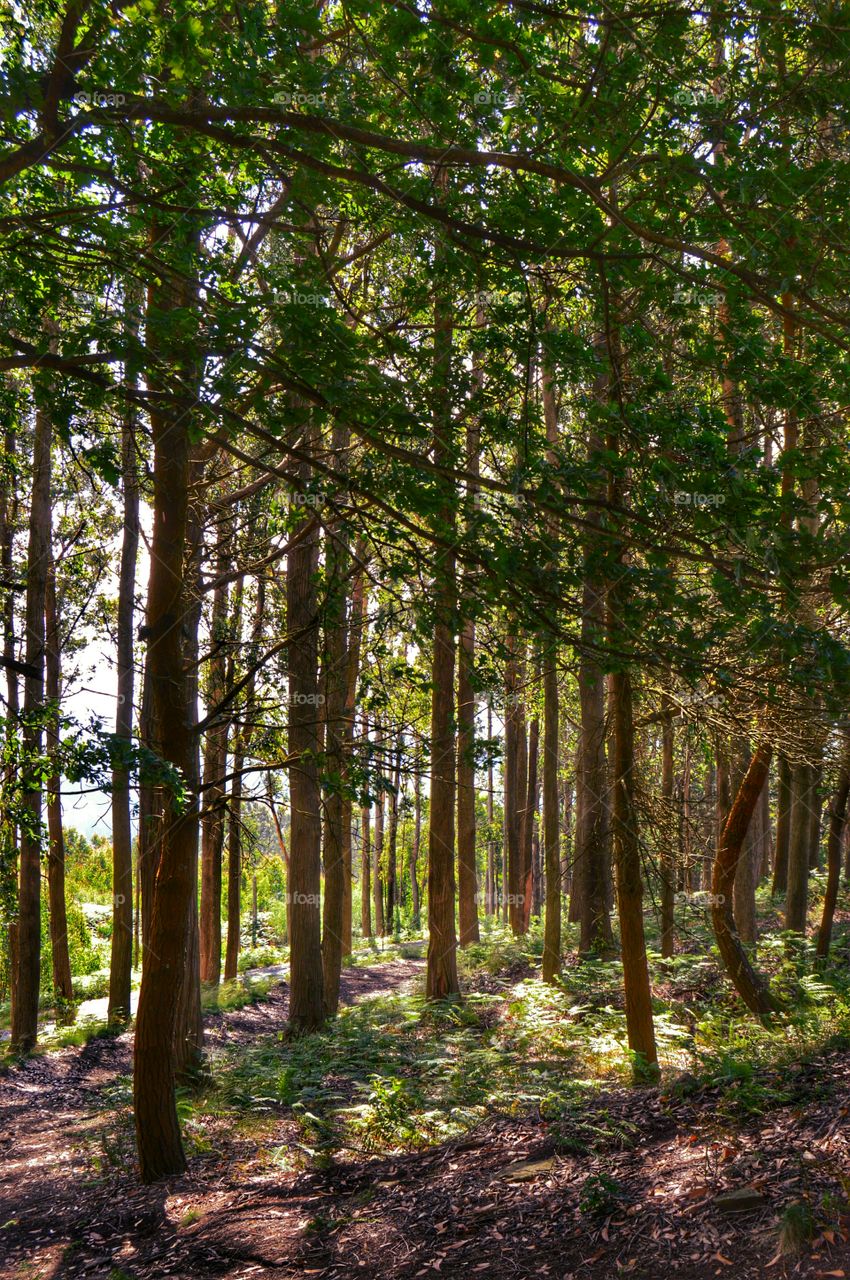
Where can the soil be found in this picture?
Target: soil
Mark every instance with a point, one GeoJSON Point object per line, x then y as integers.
{"type": "Point", "coordinates": [680, 1192]}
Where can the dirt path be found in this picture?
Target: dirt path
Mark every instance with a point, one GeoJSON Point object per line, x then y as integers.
{"type": "Point", "coordinates": [510, 1202]}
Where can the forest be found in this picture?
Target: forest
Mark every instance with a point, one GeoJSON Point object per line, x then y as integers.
{"type": "Point", "coordinates": [424, 639]}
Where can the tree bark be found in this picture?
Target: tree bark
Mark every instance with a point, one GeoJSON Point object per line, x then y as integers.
{"type": "Point", "coordinates": [668, 834]}
{"type": "Point", "coordinates": [28, 939]}
{"type": "Point", "coordinates": [121, 956]}
{"type": "Point", "coordinates": [837, 819]}
{"type": "Point", "coordinates": [802, 806]}
{"type": "Point", "coordinates": [306, 1009]}
{"type": "Point", "coordinates": [61, 960]}
{"type": "Point", "coordinates": [215, 766]}
{"type": "Point", "coordinates": [747, 981]}
{"type": "Point", "coordinates": [467, 874]}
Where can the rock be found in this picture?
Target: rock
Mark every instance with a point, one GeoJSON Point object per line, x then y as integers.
{"type": "Point", "coordinates": [526, 1170]}
{"type": "Point", "coordinates": [743, 1200]}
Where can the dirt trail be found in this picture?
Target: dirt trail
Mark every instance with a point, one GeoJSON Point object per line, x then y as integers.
{"type": "Point", "coordinates": [509, 1202]}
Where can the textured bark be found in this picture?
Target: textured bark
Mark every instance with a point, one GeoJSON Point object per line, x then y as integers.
{"type": "Point", "coordinates": [28, 939]}
{"type": "Point", "coordinates": [514, 789]}
{"type": "Point", "coordinates": [467, 874]}
{"type": "Point", "coordinates": [215, 764]}
{"type": "Point", "coordinates": [61, 960]}
{"type": "Point", "coordinates": [234, 822]}
{"type": "Point", "coordinates": [157, 1126]}
{"type": "Point", "coordinates": [335, 682]}
{"type": "Point", "coordinates": [366, 872]}
{"type": "Point", "coordinates": [8, 523]}
{"type": "Point", "coordinates": [592, 827]}
{"type": "Point", "coordinates": [355, 641]}
{"type": "Point", "coordinates": [441, 976]}
{"type": "Point", "coordinates": [802, 806]}
{"type": "Point", "coordinates": [377, 868]}
{"type": "Point", "coordinates": [551, 824]}
{"type": "Point", "coordinates": [837, 817]}
{"type": "Point", "coordinates": [638, 995]}
{"type": "Point", "coordinates": [744, 891]}
{"type": "Point", "coordinates": [668, 834]}
{"type": "Point", "coordinates": [306, 1010]}
{"type": "Point", "coordinates": [416, 844]}
{"type": "Point", "coordinates": [392, 842]}
{"type": "Point", "coordinates": [527, 826]}
{"type": "Point", "coordinates": [747, 981]}
{"type": "Point", "coordinates": [121, 956]}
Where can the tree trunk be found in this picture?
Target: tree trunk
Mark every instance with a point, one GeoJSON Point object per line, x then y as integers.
{"type": "Point", "coordinates": [837, 820]}
{"type": "Point", "coordinates": [551, 825]}
{"type": "Point", "coordinates": [392, 843]}
{"type": "Point", "coordinates": [306, 1009]}
{"type": "Point", "coordinates": [638, 995]}
{"type": "Point", "coordinates": [783, 827]}
{"type": "Point", "coordinates": [28, 940]}
{"type": "Point", "coordinates": [377, 868]}
{"type": "Point", "coordinates": [668, 832]}
{"type": "Point", "coordinates": [415, 908]}
{"type": "Point", "coordinates": [802, 806]}
{"type": "Point", "coordinates": [157, 1126]}
{"type": "Point", "coordinates": [366, 871]}
{"type": "Point", "coordinates": [121, 957]}
{"type": "Point", "coordinates": [467, 878]}
{"type": "Point", "coordinates": [441, 977]}
{"type": "Point", "coordinates": [336, 681]}
{"type": "Point", "coordinates": [527, 828]}
{"type": "Point", "coordinates": [61, 959]}
{"type": "Point", "coordinates": [747, 981]}
{"type": "Point", "coordinates": [215, 766]}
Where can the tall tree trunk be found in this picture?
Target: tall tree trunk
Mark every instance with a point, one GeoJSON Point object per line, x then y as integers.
{"type": "Point", "coordinates": [802, 806]}
{"type": "Point", "coordinates": [392, 842]}
{"type": "Point", "coordinates": [306, 1010]}
{"type": "Point", "coordinates": [355, 642]}
{"type": "Point", "coordinates": [514, 789]}
{"type": "Point", "coordinates": [747, 981]}
{"type": "Point", "coordinates": [336, 680]}
{"type": "Point", "coordinates": [234, 823]}
{"type": "Point", "coordinates": [668, 838]}
{"type": "Point", "coordinates": [639, 1025]}
{"type": "Point", "coordinates": [366, 871]}
{"type": "Point", "coordinates": [121, 957]}
{"type": "Point", "coordinates": [61, 959]}
{"type": "Point", "coordinates": [377, 867]}
{"type": "Point", "coordinates": [837, 821]}
{"type": "Point", "coordinates": [157, 1126]}
{"type": "Point", "coordinates": [416, 843]}
{"type": "Point", "coordinates": [467, 878]}
{"type": "Point", "coordinates": [527, 828]}
{"type": "Point", "coordinates": [8, 521]}
{"type": "Point", "coordinates": [744, 891]}
{"type": "Point", "coordinates": [441, 979]}
{"type": "Point", "coordinates": [28, 941]}
{"type": "Point", "coordinates": [215, 766]}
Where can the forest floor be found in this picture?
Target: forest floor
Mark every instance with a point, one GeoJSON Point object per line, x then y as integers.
{"type": "Point", "coordinates": [671, 1182]}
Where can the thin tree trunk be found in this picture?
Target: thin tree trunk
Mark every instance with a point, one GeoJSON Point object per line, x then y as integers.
{"type": "Point", "coordinates": [121, 957]}
{"type": "Point", "coordinates": [61, 960]}
{"type": "Point", "coordinates": [668, 858]}
{"type": "Point", "coordinates": [28, 941]}
{"type": "Point", "coordinates": [467, 881]}
{"type": "Point", "coordinates": [747, 981]}
{"type": "Point", "coordinates": [802, 804]}
{"type": "Point", "coordinates": [366, 871]}
{"type": "Point", "coordinates": [215, 765]}
{"type": "Point", "coordinates": [415, 908]}
{"type": "Point", "coordinates": [837, 820]}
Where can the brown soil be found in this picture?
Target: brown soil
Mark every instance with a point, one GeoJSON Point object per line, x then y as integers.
{"type": "Point", "coordinates": [68, 1208]}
